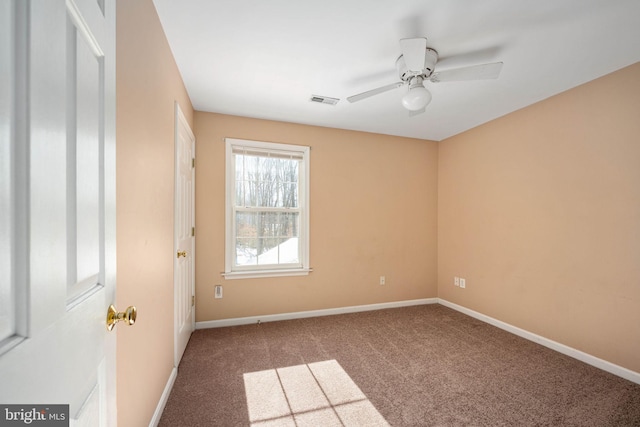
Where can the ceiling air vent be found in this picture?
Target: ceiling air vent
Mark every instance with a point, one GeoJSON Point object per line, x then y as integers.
{"type": "Point", "coordinates": [324, 99]}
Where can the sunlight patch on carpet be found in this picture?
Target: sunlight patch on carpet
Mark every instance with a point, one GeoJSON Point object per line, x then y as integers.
{"type": "Point", "coordinates": [314, 394]}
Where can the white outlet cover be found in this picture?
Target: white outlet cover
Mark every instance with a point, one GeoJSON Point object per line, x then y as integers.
{"type": "Point", "coordinates": [463, 283]}
{"type": "Point", "coordinates": [218, 291]}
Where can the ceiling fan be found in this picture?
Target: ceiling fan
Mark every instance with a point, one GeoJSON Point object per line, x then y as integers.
{"type": "Point", "coordinates": [416, 65]}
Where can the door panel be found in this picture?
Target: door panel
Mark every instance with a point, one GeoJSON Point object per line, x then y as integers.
{"type": "Point", "coordinates": [84, 69]}
{"type": "Point", "coordinates": [60, 205]}
{"type": "Point", "coordinates": [7, 85]}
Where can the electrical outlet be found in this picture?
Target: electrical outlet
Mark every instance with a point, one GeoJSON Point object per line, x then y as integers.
{"type": "Point", "coordinates": [463, 283]}
{"type": "Point", "coordinates": [382, 280]}
{"type": "Point", "coordinates": [456, 281]}
{"type": "Point", "coordinates": [218, 291]}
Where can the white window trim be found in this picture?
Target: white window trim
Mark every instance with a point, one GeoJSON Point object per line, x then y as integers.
{"type": "Point", "coordinates": [303, 184]}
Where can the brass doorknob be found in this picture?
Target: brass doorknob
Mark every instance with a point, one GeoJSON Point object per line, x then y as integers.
{"type": "Point", "coordinates": [182, 253]}
{"type": "Point", "coordinates": [114, 316]}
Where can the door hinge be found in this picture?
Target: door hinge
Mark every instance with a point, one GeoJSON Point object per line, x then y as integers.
{"type": "Point", "coordinates": [193, 231]}
{"type": "Point", "coordinates": [193, 300]}
{"type": "Point", "coordinates": [193, 162]}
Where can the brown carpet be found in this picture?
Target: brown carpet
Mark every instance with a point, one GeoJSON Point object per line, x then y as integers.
{"type": "Point", "coordinates": [417, 366]}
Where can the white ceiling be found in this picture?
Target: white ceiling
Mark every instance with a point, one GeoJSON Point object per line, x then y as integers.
{"type": "Point", "coordinates": [265, 59]}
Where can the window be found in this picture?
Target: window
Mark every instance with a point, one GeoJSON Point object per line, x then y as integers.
{"type": "Point", "coordinates": [267, 209]}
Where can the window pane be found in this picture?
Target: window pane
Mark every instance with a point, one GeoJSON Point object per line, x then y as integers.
{"type": "Point", "coordinates": [240, 193]}
{"type": "Point", "coordinates": [266, 182]}
{"type": "Point", "coordinates": [265, 194]}
{"type": "Point", "coordinates": [289, 225]}
{"type": "Point", "coordinates": [288, 180]}
{"type": "Point", "coordinates": [246, 235]}
{"type": "Point", "coordinates": [284, 252]}
{"type": "Point", "coordinates": [245, 252]}
{"type": "Point", "coordinates": [290, 195]}
{"type": "Point", "coordinates": [267, 238]}
{"type": "Point", "coordinates": [250, 193]}
{"type": "Point", "coordinates": [239, 168]}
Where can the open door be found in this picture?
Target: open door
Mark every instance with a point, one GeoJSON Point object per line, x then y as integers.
{"type": "Point", "coordinates": [184, 234]}
{"type": "Point", "coordinates": [57, 211]}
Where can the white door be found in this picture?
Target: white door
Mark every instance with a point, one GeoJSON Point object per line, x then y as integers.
{"type": "Point", "coordinates": [184, 262]}
{"type": "Point", "coordinates": [57, 212]}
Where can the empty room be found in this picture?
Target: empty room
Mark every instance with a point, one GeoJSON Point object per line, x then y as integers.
{"type": "Point", "coordinates": [349, 213]}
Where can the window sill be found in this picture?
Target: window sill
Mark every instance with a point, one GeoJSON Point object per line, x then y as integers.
{"type": "Point", "coordinates": [266, 273]}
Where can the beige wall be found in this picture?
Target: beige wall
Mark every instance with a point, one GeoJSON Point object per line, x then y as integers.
{"type": "Point", "coordinates": [373, 213]}
{"type": "Point", "coordinates": [148, 82]}
{"type": "Point", "coordinates": [540, 212]}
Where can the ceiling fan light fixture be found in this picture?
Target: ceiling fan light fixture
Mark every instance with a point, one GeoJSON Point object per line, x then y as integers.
{"type": "Point", "coordinates": [417, 98]}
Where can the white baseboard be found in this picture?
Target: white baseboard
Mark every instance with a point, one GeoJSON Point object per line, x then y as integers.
{"type": "Point", "coordinates": [560, 348]}
{"type": "Point", "coordinates": [163, 399]}
{"type": "Point", "coordinates": [313, 313]}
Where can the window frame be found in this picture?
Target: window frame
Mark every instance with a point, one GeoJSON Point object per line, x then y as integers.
{"type": "Point", "coordinates": [233, 271]}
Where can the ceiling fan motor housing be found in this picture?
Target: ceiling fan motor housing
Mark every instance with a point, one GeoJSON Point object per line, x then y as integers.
{"type": "Point", "coordinates": [430, 59]}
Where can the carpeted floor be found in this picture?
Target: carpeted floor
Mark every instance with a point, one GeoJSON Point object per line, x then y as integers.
{"type": "Point", "coordinates": [415, 366]}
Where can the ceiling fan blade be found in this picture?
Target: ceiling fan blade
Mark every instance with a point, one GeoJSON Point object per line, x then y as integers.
{"type": "Point", "coordinates": [410, 26]}
{"type": "Point", "coordinates": [372, 92]}
{"type": "Point", "coordinates": [478, 56]}
{"type": "Point", "coordinates": [474, 72]}
{"type": "Point", "coordinates": [416, 112]}
{"type": "Point", "coordinates": [414, 51]}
